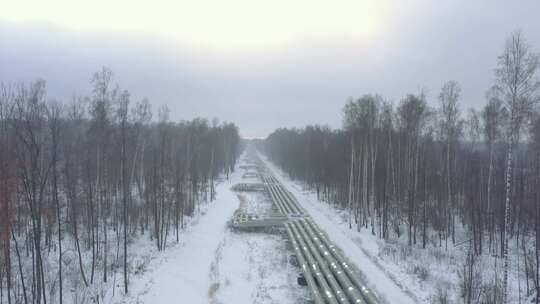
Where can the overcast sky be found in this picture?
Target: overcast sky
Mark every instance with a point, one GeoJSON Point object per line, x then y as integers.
{"type": "Point", "coordinates": [262, 64]}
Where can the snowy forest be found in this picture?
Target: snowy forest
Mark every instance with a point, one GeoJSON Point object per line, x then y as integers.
{"type": "Point", "coordinates": [269, 152]}
{"type": "Point", "coordinates": [436, 174]}
{"type": "Point", "coordinates": [81, 180]}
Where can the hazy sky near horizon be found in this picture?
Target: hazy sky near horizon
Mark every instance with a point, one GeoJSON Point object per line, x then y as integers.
{"type": "Point", "coordinates": [262, 64]}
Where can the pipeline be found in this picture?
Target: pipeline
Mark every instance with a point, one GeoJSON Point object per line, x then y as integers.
{"type": "Point", "coordinates": [328, 268]}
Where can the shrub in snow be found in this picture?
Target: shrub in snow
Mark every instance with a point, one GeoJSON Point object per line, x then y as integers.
{"type": "Point", "coordinates": [470, 279]}
{"type": "Point", "coordinates": [440, 296]}
{"type": "Point", "coordinates": [421, 271]}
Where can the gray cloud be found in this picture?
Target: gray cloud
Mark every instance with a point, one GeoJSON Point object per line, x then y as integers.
{"type": "Point", "coordinates": [305, 81]}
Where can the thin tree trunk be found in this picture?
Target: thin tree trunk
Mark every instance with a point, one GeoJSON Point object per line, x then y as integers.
{"type": "Point", "coordinates": [20, 266]}
{"type": "Point", "coordinates": [351, 183]}
{"type": "Point", "coordinates": [508, 182]}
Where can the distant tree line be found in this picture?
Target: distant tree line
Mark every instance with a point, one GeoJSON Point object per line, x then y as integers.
{"type": "Point", "coordinates": [419, 171]}
{"type": "Point", "coordinates": [78, 180]}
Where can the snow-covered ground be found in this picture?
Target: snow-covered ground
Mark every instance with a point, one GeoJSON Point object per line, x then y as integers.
{"type": "Point", "coordinates": [385, 284]}
{"type": "Point", "coordinates": [403, 274]}
{"type": "Point", "coordinates": [183, 270]}
{"type": "Point", "coordinates": [253, 267]}
{"type": "Point", "coordinates": [213, 264]}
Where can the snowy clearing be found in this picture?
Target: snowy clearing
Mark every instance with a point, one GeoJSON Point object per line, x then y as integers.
{"type": "Point", "coordinates": [184, 269]}
{"type": "Point", "coordinates": [213, 264]}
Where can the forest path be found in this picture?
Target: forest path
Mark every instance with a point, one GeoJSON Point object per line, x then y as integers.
{"type": "Point", "coordinates": [183, 273]}
{"type": "Point", "coordinates": [215, 265]}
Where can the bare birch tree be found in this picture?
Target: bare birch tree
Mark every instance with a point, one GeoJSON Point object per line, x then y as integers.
{"type": "Point", "coordinates": [518, 88]}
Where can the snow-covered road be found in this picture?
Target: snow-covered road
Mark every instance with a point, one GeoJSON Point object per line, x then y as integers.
{"type": "Point", "coordinates": [213, 264]}
{"type": "Point", "coordinates": [183, 274]}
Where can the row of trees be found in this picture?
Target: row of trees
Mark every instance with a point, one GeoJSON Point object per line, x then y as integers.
{"type": "Point", "coordinates": [79, 180]}
{"type": "Point", "coordinates": [420, 171]}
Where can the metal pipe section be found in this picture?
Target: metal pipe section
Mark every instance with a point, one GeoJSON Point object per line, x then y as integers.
{"type": "Point", "coordinates": [352, 292]}
{"type": "Point", "coordinates": [337, 276]}
{"type": "Point", "coordinates": [281, 207]}
{"type": "Point", "coordinates": [325, 288]}
{"type": "Point", "coordinates": [339, 294]}
{"type": "Point", "coordinates": [291, 198]}
{"type": "Point", "coordinates": [317, 298]}
{"type": "Point", "coordinates": [279, 194]}
{"type": "Point", "coordinates": [368, 296]}
{"type": "Point", "coordinates": [284, 207]}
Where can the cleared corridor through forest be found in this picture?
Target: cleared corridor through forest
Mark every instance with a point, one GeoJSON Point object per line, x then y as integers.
{"type": "Point", "coordinates": [330, 277]}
